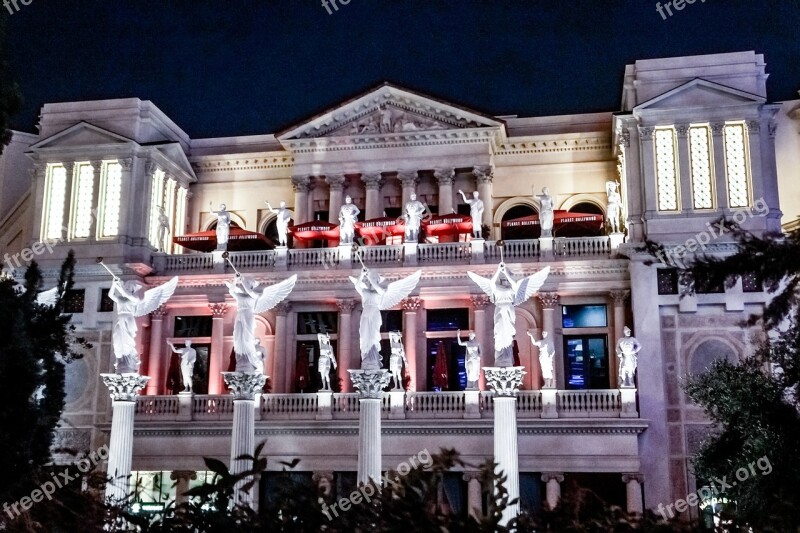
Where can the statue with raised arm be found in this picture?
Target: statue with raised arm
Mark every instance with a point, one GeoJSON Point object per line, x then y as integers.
{"type": "Point", "coordinates": [614, 206]}
{"type": "Point", "coordinates": [506, 293]}
{"type": "Point", "coordinates": [546, 359]}
{"type": "Point", "coordinates": [473, 361]}
{"type": "Point", "coordinates": [348, 216]}
{"type": "Point", "coordinates": [326, 359]}
{"type": "Point", "coordinates": [252, 299]}
{"type": "Point", "coordinates": [413, 213]}
{"type": "Point", "coordinates": [188, 358]}
{"type": "Point", "coordinates": [397, 358]}
{"type": "Point", "coordinates": [163, 228]}
{"type": "Point", "coordinates": [545, 212]}
{"type": "Point", "coordinates": [628, 353]}
{"type": "Point", "coordinates": [282, 218]}
{"type": "Point", "coordinates": [475, 212]}
{"type": "Point", "coordinates": [223, 225]}
{"type": "Point", "coordinates": [376, 296]}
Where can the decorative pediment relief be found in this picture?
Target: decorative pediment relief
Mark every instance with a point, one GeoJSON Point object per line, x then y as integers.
{"type": "Point", "coordinates": [389, 118]}
{"type": "Point", "coordinates": [700, 93]}
{"type": "Point", "coordinates": [79, 135]}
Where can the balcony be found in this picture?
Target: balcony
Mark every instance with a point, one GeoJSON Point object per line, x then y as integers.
{"type": "Point", "coordinates": [544, 404]}
{"type": "Point", "coordinates": [465, 253]}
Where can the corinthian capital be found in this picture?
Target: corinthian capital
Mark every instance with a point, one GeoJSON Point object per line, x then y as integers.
{"type": "Point", "coordinates": [301, 183]}
{"type": "Point", "coordinates": [408, 178]}
{"type": "Point", "coordinates": [548, 299]}
{"type": "Point", "coordinates": [483, 174]}
{"type": "Point", "coordinates": [444, 176]}
{"type": "Point", "coordinates": [218, 309]}
{"type": "Point", "coordinates": [124, 387]}
{"type": "Point", "coordinates": [372, 180]}
{"type": "Point", "coordinates": [335, 181]}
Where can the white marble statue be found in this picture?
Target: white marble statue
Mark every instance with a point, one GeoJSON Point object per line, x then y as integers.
{"type": "Point", "coordinates": [473, 363]}
{"type": "Point", "coordinates": [397, 358]}
{"type": "Point", "coordinates": [128, 306]}
{"type": "Point", "coordinates": [613, 206]}
{"type": "Point", "coordinates": [506, 293]}
{"type": "Point", "coordinates": [413, 213]}
{"type": "Point", "coordinates": [223, 225]}
{"type": "Point", "coordinates": [163, 228]}
{"type": "Point", "coordinates": [282, 218]}
{"type": "Point", "coordinates": [262, 356]}
{"type": "Point", "coordinates": [546, 359]}
{"type": "Point", "coordinates": [475, 212]}
{"type": "Point", "coordinates": [627, 352]}
{"type": "Point", "coordinates": [188, 358]}
{"type": "Point", "coordinates": [545, 212]}
{"type": "Point", "coordinates": [326, 359]}
{"type": "Point", "coordinates": [376, 296]}
{"type": "Point", "coordinates": [348, 216]}
{"type": "Point", "coordinates": [251, 300]}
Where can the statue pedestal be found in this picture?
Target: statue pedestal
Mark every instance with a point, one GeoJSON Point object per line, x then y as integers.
{"type": "Point", "coordinates": [324, 405]}
{"type": "Point", "coordinates": [546, 251]}
{"type": "Point", "coordinates": [477, 247]}
{"type": "Point", "coordinates": [245, 387]}
{"type": "Point", "coordinates": [220, 265]}
{"type": "Point", "coordinates": [281, 257]}
{"type": "Point", "coordinates": [370, 385]}
{"type": "Point", "coordinates": [549, 402]}
{"type": "Point", "coordinates": [409, 254]}
{"type": "Point", "coordinates": [505, 382]}
{"type": "Point", "coordinates": [628, 398]}
{"type": "Point", "coordinates": [397, 404]}
{"type": "Point", "coordinates": [615, 241]}
{"type": "Point", "coordinates": [185, 405]}
{"type": "Point", "coordinates": [472, 403]}
{"type": "Point", "coordinates": [346, 255]}
{"type": "Point", "coordinates": [124, 389]}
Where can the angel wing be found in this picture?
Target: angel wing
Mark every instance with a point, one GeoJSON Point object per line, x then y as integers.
{"type": "Point", "coordinates": [397, 290]}
{"type": "Point", "coordinates": [484, 283]}
{"type": "Point", "coordinates": [274, 294]}
{"type": "Point", "coordinates": [528, 286]}
{"type": "Point", "coordinates": [48, 297]}
{"type": "Point", "coordinates": [156, 296]}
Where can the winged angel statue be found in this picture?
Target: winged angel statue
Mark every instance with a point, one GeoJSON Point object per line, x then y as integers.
{"type": "Point", "coordinates": [376, 296]}
{"type": "Point", "coordinates": [506, 294]}
{"type": "Point", "coordinates": [251, 300]}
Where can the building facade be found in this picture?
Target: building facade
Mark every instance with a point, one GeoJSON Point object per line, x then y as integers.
{"type": "Point", "coordinates": [695, 140]}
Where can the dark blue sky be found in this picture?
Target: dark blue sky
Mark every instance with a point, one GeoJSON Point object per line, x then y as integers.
{"type": "Point", "coordinates": [242, 67]}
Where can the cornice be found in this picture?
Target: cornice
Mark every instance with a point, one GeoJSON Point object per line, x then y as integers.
{"type": "Point", "coordinates": [392, 140]}
{"type": "Point", "coordinates": [228, 163]}
{"type": "Point", "coordinates": [557, 145]}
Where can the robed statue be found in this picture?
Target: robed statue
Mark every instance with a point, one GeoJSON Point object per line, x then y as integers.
{"type": "Point", "coordinates": [628, 349]}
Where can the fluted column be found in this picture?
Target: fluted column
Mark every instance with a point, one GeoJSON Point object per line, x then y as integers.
{"type": "Point", "coordinates": [647, 152]}
{"type": "Point", "coordinates": [549, 301]}
{"type": "Point", "coordinates": [372, 184]}
{"type": "Point", "coordinates": [181, 479]}
{"type": "Point", "coordinates": [300, 185]}
{"type": "Point", "coordinates": [684, 169]}
{"type": "Point", "coordinates": [483, 177]}
{"type": "Point", "coordinates": [619, 298]}
{"type": "Point", "coordinates": [370, 385]}
{"type": "Point", "coordinates": [245, 387]}
{"type": "Point", "coordinates": [335, 186]}
{"type": "Point", "coordinates": [410, 308]}
{"type": "Point", "coordinates": [69, 169]}
{"type": "Point", "coordinates": [345, 335]}
{"type": "Point", "coordinates": [553, 482]}
{"type": "Point", "coordinates": [127, 190]}
{"type": "Point", "coordinates": [97, 171]}
{"type": "Point", "coordinates": [474, 500]}
{"type": "Point", "coordinates": [216, 357]}
{"type": "Point", "coordinates": [633, 490]}
{"type": "Point", "coordinates": [124, 389]}
{"type": "Point", "coordinates": [444, 177]}
{"type": "Point", "coordinates": [409, 180]}
{"type": "Point", "coordinates": [157, 364]}
{"type": "Point", "coordinates": [479, 303]}
{"type": "Point", "coordinates": [720, 168]}
{"type": "Point", "coordinates": [281, 373]}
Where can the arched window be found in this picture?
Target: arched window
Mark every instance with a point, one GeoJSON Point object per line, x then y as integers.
{"type": "Point", "coordinates": [271, 233]}
{"type": "Point", "coordinates": [582, 229]}
{"type": "Point", "coordinates": [518, 232]}
{"type": "Point", "coordinates": [709, 351]}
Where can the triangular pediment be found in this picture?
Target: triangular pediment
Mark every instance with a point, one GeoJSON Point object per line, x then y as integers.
{"type": "Point", "coordinates": [389, 109]}
{"type": "Point", "coordinates": [81, 134]}
{"type": "Point", "coordinates": [173, 152]}
{"type": "Point", "coordinates": [700, 93]}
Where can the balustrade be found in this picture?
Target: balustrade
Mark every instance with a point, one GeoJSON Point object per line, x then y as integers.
{"type": "Point", "coordinates": [382, 255]}
{"type": "Point", "coordinates": [582, 246]}
{"type": "Point", "coordinates": [314, 257]}
{"type": "Point", "coordinates": [262, 259]}
{"type": "Point", "coordinates": [448, 252]}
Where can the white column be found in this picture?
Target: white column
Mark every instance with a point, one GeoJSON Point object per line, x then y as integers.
{"type": "Point", "coordinates": [444, 176]}
{"type": "Point", "coordinates": [127, 190]}
{"type": "Point", "coordinates": [123, 388]}
{"type": "Point", "coordinates": [409, 180]}
{"type": "Point", "coordinates": [157, 364]}
{"type": "Point", "coordinates": [415, 370]}
{"type": "Point", "coordinates": [300, 185]}
{"type": "Point", "coordinates": [372, 184]}
{"type": "Point", "coordinates": [483, 177]}
{"type": "Point", "coordinates": [553, 482]}
{"type": "Point", "coordinates": [335, 185]}
{"type": "Point", "coordinates": [720, 169]}
{"type": "Point", "coordinates": [633, 489]}
{"type": "Point", "coordinates": [69, 169]}
{"type": "Point", "coordinates": [474, 502]}
{"type": "Point", "coordinates": [245, 386]}
{"type": "Point", "coordinates": [216, 359]}
{"type": "Point", "coordinates": [479, 303]}
{"type": "Point", "coordinates": [181, 479]}
{"type": "Point", "coordinates": [549, 301]}
{"type": "Point", "coordinates": [370, 385]}
{"type": "Point", "coordinates": [344, 338]}
{"type": "Point", "coordinates": [648, 162]}
{"type": "Point", "coordinates": [280, 363]}
{"type": "Point", "coordinates": [97, 169]}
{"type": "Point", "coordinates": [684, 176]}
{"type": "Point", "coordinates": [619, 298]}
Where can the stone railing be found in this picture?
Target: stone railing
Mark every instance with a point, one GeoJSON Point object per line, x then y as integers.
{"type": "Point", "coordinates": [314, 257]}
{"type": "Point", "coordinates": [582, 246]}
{"type": "Point", "coordinates": [523, 249]}
{"type": "Point", "coordinates": [382, 255]}
{"type": "Point", "coordinates": [253, 260]}
{"type": "Point", "coordinates": [448, 252]}
{"type": "Point", "coordinates": [548, 403]}
{"type": "Point", "coordinates": [171, 263]}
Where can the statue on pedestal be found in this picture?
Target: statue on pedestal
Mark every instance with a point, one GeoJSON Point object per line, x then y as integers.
{"type": "Point", "coordinates": [348, 216]}
{"type": "Point", "coordinates": [282, 218]}
{"type": "Point", "coordinates": [506, 293]}
{"type": "Point", "coordinates": [545, 212]}
{"type": "Point", "coordinates": [473, 362]}
{"type": "Point", "coordinates": [413, 212]}
{"type": "Point", "coordinates": [262, 356]}
{"type": "Point", "coordinates": [163, 228]}
{"type": "Point", "coordinates": [376, 296]}
{"type": "Point", "coordinates": [613, 206]}
{"type": "Point", "coordinates": [251, 300]}
{"type": "Point", "coordinates": [188, 358]}
{"type": "Point", "coordinates": [326, 359]}
{"type": "Point", "coordinates": [627, 352]}
{"type": "Point", "coordinates": [475, 212]}
{"type": "Point", "coordinates": [546, 359]}
{"type": "Point", "coordinates": [223, 225]}
{"type": "Point", "coordinates": [397, 358]}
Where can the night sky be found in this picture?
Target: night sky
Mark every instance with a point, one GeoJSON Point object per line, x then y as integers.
{"type": "Point", "coordinates": [236, 67]}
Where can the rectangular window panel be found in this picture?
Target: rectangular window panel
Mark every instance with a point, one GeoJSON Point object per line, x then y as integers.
{"type": "Point", "coordinates": [666, 170]}
{"type": "Point", "coordinates": [448, 319]}
{"type": "Point", "coordinates": [736, 165]}
{"type": "Point", "coordinates": [193, 326]}
{"type": "Point", "coordinates": [54, 210]}
{"type": "Point", "coordinates": [667, 280]}
{"type": "Point", "coordinates": [74, 300]}
{"type": "Point", "coordinates": [106, 304]}
{"type": "Point", "coordinates": [83, 190]}
{"type": "Point", "coordinates": [317, 322]}
{"type": "Point", "coordinates": [700, 150]}
{"type": "Point", "coordinates": [583, 316]}
{"type": "Point", "coordinates": [156, 202]}
{"type": "Point", "coordinates": [586, 362]}
{"type": "Point", "coordinates": [112, 195]}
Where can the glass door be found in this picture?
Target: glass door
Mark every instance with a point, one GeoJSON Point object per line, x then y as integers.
{"type": "Point", "coordinates": [586, 362]}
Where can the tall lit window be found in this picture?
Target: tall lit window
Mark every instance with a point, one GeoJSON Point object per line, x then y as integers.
{"type": "Point", "coordinates": [156, 201]}
{"type": "Point", "coordinates": [110, 199]}
{"type": "Point", "coordinates": [700, 152]}
{"type": "Point", "coordinates": [55, 192]}
{"type": "Point", "coordinates": [666, 169]}
{"type": "Point", "coordinates": [736, 165]}
{"type": "Point", "coordinates": [83, 190]}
